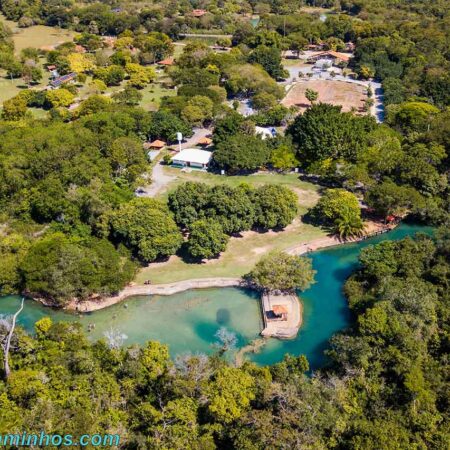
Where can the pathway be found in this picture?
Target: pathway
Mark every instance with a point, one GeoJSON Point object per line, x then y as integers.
{"type": "Point", "coordinates": [159, 178]}
{"type": "Point", "coordinates": [160, 181]}
{"type": "Point", "coordinates": [229, 36]}
{"type": "Point", "coordinates": [198, 134]}
{"type": "Point", "coordinates": [95, 304]}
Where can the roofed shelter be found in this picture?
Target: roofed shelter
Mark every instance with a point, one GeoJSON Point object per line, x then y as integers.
{"type": "Point", "coordinates": [205, 141]}
{"type": "Point", "coordinates": [192, 157]}
{"type": "Point", "coordinates": [166, 62]}
{"type": "Point", "coordinates": [280, 312]}
{"type": "Point", "coordinates": [199, 12]}
{"type": "Point", "coordinates": [157, 144]}
{"type": "Point", "coordinates": [57, 82]}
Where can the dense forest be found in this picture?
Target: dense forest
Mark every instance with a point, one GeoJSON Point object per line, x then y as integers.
{"type": "Point", "coordinates": [386, 385]}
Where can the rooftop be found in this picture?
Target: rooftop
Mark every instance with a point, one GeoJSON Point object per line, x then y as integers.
{"type": "Point", "coordinates": [193, 155]}
{"type": "Point", "coordinates": [337, 55]}
{"type": "Point", "coordinates": [279, 309]}
{"type": "Point", "coordinates": [199, 12]}
{"type": "Point", "coordinates": [166, 62]}
{"type": "Point", "coordinates": [205, 141]}
{"type": "Point", "coordinates": [155, 144]}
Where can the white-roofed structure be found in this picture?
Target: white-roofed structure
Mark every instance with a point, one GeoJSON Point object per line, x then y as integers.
{"type": "Point", "coordinates": [192, 157]}
{"type": "Point", "coordinates": [263, 132]}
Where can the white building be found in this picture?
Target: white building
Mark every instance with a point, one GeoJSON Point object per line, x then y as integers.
{"type": "Point", "coordinates": [263, 132]}
{"type": "Point", "coordinates": [192, 157]}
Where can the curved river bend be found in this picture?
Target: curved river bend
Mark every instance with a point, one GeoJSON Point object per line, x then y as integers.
{"type": "Point", "coordinates": [188, 321]}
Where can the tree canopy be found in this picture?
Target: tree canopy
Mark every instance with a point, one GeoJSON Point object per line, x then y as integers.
{"type": "Point", "coordinates": [279, 271]}
{"type": "Point", "coordinates": [147, 227]}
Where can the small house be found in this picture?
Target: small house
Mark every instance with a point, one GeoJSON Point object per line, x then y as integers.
{"type": "Point", "coordinates": [264, 133]}
{"type": "Point", "coordinates": [315, 47]}
{"type": "Point", "coordinates": [192, 157]}
{"type": "Point", "coordinates": [109, 41]}
{"type": "Point", "coordinates": [330, 56]}
{"type": "Point", "coordinates": [80, 49]}
{"type": "Point", "coordinates": [58, 82]}
{"type": "Point", "coordinates": [199, 12]}
{"type": "Point", "coordinates": [166, 62]}
{"type": "Point", "coordinates": [350, 46]}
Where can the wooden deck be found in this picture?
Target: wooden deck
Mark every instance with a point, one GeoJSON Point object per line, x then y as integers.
{"type": "Point", "coordinates": [276, 327]}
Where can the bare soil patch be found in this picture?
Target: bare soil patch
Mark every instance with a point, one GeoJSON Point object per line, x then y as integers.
{"type": "Point", "coordinates": [346, 94]}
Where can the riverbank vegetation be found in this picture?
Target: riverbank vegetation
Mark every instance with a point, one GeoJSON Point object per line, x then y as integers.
{"type": "Point", "coordinates": [385, 387]}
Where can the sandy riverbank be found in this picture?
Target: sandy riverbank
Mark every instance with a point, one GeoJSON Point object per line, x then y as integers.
{"type": "Point", "coordinates": [152, 289]}
{"type": "Point", "coordinates": [371, 229]}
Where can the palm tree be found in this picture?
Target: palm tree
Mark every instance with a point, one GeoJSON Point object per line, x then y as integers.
{"type": "Point", "coordinates": [349, 224]}
{"type": "Point", "coordinates": [311, 95]}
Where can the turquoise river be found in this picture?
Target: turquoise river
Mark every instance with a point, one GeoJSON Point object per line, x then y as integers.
{"type": "Point", "coordinates": [188, 321]}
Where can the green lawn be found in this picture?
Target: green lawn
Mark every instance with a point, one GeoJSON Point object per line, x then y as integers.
{"type": "Point", "coordinates": [294, 62]}
{"type": "Point", "coordinates": [178, 49]}
{"type": "Point", "coordinates": [37, 36]}
{"type": "Point", "coordinates": [242, 252]}
{"type": "Point", "coordinates": [239, 258]}
{"type": "Point", "coordinates": [153, 94]}
{"type": "Point", "coordinates": [10, 88]}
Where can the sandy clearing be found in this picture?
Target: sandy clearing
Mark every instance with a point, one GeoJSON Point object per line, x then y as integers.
{"type": "Point", "coordinates": [346, 94]}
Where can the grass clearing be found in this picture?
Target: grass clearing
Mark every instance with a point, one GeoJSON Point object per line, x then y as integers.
{"type": "Point", "coordinates": [295, 62]}
{"type": "Point", "coordinates": [241, 255]}
{"type": "Point", "coordinates": [152, 95]}
{"type": "Point", "coordinates": [10, 88]}
{"type": "Point", "coordinates": [37, 36]}
{"type": "Point", "coordinates": [242, 252]}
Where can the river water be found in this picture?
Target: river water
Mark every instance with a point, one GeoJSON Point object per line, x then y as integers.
{"type": "Point", "coordinates": [188, 321]}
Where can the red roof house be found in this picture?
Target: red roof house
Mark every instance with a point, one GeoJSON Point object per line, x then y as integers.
{"type": "Point", "coordinates": [199, 12]}
{"type": "Point", "coordinates": [166, 62]}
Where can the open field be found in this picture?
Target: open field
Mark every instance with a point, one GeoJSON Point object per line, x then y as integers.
{"type": "Point", "coordinates": [152, 95]}
{"type": "Point", "coordinates": [242, 252]}
{"type": "Point", "coordinates": [239, 258]}
{"type": "Point", "coordinates": [37, 36]}
{"type": "Point", "coordinates": [348, 95]}
{"type": "Point", "coordinates": [316, 10]}
{"type": "Point", "coordinates": [10, 88]}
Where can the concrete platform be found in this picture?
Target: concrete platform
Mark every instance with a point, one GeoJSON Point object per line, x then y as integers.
{"type": "Point", "coordinates": [282, 315]}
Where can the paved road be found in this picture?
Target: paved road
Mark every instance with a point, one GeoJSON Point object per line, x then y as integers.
{"type": "Point", "coordinates": [229, 36]}
{"type": "Point", "coordinates": [160, 180]}
{"type": "Point", "coordinates": [198, 134]}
